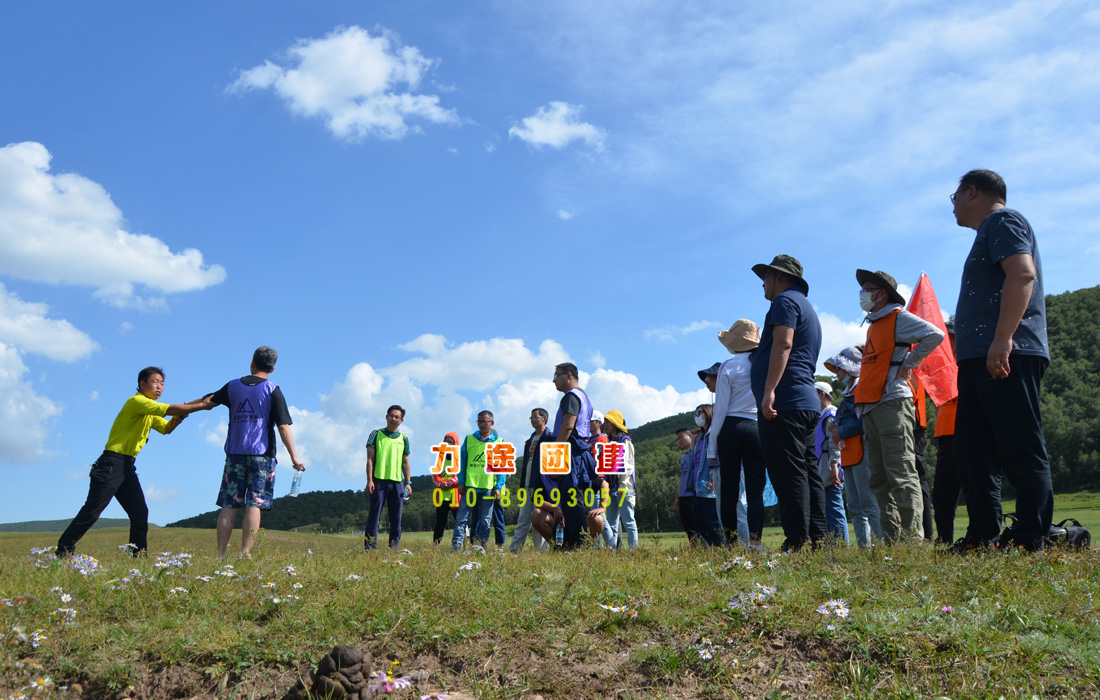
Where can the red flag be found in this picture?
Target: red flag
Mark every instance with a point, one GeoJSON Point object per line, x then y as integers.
{"type": "Point", "coordinates": [939, 372]}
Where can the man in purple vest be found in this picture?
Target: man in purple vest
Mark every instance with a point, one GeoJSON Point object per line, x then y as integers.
{"type": "Point", "coordinates": [572, 425]}
{"type": "Point", "coordinates": [256, 409]}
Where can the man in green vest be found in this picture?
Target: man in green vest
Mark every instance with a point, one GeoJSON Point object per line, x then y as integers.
{"type": "Point", "coordinates": [388, 477]}
{"type": "Point", "coordinates": [478, 488]}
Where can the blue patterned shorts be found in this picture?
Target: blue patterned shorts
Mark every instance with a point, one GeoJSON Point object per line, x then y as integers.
{"type": "Point", "coordinates": [248, 482]}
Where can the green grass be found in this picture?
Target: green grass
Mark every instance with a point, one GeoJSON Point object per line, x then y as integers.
{"type": "Point", "coordinates": [1018, 625]}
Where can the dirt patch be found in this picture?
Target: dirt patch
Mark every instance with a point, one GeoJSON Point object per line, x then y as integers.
{"type": "Point", "coordinates": [500, 666]}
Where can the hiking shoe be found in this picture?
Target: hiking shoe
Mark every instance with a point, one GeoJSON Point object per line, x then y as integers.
{"type": "Point", "coordinates": [965, 546]}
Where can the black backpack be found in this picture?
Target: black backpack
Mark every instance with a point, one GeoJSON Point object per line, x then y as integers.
{"type": "Point", "coordinates": [1073, 534]}
{"type": "Point", "coordinates": [1060, 535]}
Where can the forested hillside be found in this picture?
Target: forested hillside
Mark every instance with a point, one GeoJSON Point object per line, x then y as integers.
{"type": "Point", "coordinates": [1071, 415]}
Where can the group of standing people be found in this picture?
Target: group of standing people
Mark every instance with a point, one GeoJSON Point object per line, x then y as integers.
{"type": "Point", "coordinates": [771, 417]}
{"type": "Point", "coordinates": [568, 504]}
{"type": "Point", "coordinates": [770, 420]}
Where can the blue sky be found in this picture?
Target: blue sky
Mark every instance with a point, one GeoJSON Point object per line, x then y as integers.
{"type": "Point", "coordinates": [432, 203]}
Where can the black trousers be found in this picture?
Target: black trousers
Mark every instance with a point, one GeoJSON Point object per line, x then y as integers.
{"type": "Point", "coordinates": [946, 488]}
{"type": "Point", "coordinates": [788, 443]}
{"type": "Point", "coordinates": [739, 448]}
{"type": "Point", "coordinates": [441, 512]}
{"type": "Point", "coordinates": [999, 431]}
{"type": "Point", "coordinates": [687, 517]}
{"type": "Point", "coordinates": [920, 439]}
{"type": "Point", "coordinates": [113, 476]}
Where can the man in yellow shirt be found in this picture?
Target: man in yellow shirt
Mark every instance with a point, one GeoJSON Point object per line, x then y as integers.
{"type": "Point", "coordinates": [113, 475]}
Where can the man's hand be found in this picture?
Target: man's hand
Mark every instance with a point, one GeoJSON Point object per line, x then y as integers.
{"type": "Point", "coordinates": [495, 493]}
{"type": "Point", "coordinates": [676, 504]}
{"type": "Point", "coordinates": [297, 464]}
{"type": "Point", "coordinates": [767, 406]}
{"type": "Point", "coordinates": [906, 373]}
{"type": "Point", "coordinates": [370, 486]}
{"type": "Point", "coordinates": [996, 360]}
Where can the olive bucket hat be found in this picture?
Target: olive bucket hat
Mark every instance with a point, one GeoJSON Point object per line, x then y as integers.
{"type": "Point", "coordinates": [881, 279]}
{"type": "Point", "coordinates": [788, 266]}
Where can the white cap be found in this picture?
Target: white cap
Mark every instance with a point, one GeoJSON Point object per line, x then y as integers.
{"type": "Point", "coordinates": [597, 416]}
{"type": "Point", "coordinates": [824, 387]}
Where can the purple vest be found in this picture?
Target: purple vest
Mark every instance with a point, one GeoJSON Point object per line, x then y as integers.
{"type": "Point", "coordinates": [583, 428]}
{"type": "Point", "coordinates": [249, 418]}
{"type": "Point", "coordinates": [821, 435]}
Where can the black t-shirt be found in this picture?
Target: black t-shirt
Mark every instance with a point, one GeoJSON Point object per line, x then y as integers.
{"type": "Point", "coordinates": [280, 414]}
{"type": "Point", "coordinates": [570, 404]}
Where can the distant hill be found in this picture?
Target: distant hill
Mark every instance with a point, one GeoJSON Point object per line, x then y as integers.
{"type": "Point", "coordinates": [60, 525]}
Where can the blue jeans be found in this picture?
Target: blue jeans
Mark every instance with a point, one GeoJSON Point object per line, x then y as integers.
{"type": "Point", "coordinates": [862, 503]}
{"type": "Point", "coordinates": [835, 521]}
{"type": "Point", "coordinates": [612, 535]}
{"type": "Point", "coordinates": [481, 513]}
{"type": "Point", "coordinates": [392, 494]}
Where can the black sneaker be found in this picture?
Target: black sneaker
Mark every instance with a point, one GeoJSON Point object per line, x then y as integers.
{"type": "Point", "coordinates": [965, 546]}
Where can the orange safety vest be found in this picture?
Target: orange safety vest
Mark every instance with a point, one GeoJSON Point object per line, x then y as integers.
{"type": "Point", "coordinates": [945, 418]}
{"type": "Point", "coordinates": [878, 356]}
{"type": "Point", "coordinates": [918, 398]}
{"type": "Point", "coordinates": [852, 454]}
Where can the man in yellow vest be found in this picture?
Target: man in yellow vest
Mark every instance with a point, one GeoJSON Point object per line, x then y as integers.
{"type": "Point", "coordinates": [389, 477]}
{"type": "Point", "coordinates": [884, 400]}
{"type": "Point", "coordinates": [478, 488]}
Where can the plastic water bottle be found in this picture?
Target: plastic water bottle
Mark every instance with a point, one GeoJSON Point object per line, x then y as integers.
{"type": "Point", "coordinates": [559, 535]}
{"type": "Point", "coordinates": [296, 485]}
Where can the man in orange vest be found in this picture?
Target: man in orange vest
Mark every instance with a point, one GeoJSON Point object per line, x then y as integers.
{"type": "Point", "coordinates": [884, 399]}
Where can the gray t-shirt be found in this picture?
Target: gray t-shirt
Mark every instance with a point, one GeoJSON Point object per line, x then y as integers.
{"type": "Point", "coordinates": [1004, 233]}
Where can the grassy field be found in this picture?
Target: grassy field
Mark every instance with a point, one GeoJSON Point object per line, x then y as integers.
{"type": "Point", "coordinates": [665, 621]}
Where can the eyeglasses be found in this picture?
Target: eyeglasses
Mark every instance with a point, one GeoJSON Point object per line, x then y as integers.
{"type": "Point", "coordinates": [956, 194]}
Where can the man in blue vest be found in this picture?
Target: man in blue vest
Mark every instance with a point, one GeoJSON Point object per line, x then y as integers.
{"type": "Point", "coordinates": [389, 477]}
{"type": "Point", "coordinates": [572, 425]}
{"type": "Point", "coordinates": [477, 488]}
{"type": "Point", "coordinates": [256, 409]}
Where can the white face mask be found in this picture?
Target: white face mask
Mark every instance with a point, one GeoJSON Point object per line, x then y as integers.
{"type": "Point", "coordinates": [866, 301]}
{"type": "Point", "coordinates": [700, 420]}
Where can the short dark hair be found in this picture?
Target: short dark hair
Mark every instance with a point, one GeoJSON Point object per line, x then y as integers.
{"type": "Point", "coordinates": [143, 375]}
{"type": "Point", "coordinates": [568, 368]}
{"type": "Point", "coordinates": [486, 413]}
{"type": "Point", "coordinates": [398, 408]}
{"type": "Point", "coordinates": [265, 358]}
{"type": "Point", "coordinates": [987, 182]}
{"type": "Point", "coordinates": [542, 413]}
{"type": "Point", "coordinates": [684, 430]}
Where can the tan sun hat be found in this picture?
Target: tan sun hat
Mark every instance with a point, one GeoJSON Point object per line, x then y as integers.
{"type": "Point", "coordinates": [743, 336]}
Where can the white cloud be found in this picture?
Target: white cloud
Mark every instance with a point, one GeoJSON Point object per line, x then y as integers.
{"type": "Point", "coordinates": [673, 333]}
{"type": "Point", "coordinates": [125, 327]}
{"type": "Point", "coordinates": [836, 335]}
{"type": "Point", "coordinates": [64, 229]}
{"type": "Point", "coordinates": [444, 388]}
{"type": "Point", "coordinates": [597, 360]}
{"type": "Point", "coordinates": [490, 147]}
{"type": "Point", "coordinates": [453, 151]}
{"type": "Point", "coordinates": [565, 215]}
{"type": "Point", "coordinates": [155, 493]}
{"type": "Point", "coordinates": [24, 415]}
{"type": "Point", "coordinates": [24, 325]}
{"type": "Point", "coordinates": [94, 396]}
{"type": "Point", "coordinates": [557, 125]}
{"type": "Point", "coordinates": [359, 85]}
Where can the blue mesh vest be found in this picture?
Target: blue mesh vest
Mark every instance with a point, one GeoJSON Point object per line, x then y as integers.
{"type": "Point", "coordinates": [249, 418]}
